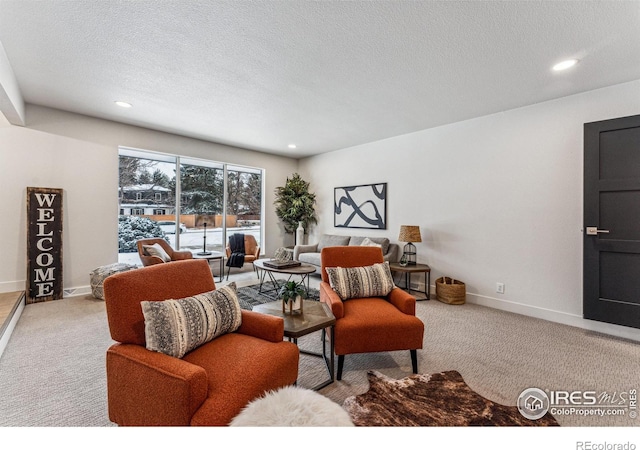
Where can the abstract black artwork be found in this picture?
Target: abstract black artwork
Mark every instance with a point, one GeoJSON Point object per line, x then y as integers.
{"type": "Point", "coordinates": [363, 206]}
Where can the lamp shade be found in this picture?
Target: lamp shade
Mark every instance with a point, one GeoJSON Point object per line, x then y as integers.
{"type": "Point", "coordinates": [410, 233]}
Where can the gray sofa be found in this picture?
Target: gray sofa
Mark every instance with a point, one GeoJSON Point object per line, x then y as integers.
{"type": "Point", "coordinates": [310, 254]}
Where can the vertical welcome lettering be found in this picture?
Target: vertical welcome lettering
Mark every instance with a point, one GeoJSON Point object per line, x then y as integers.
{"type": "Point", "coordinates": [44, 244]}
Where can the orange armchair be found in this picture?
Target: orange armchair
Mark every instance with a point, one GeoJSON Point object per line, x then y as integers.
{"type": "Point", "coordinates": [209, 385]}
{"type": "Point", "coordinates": [371, 324]}
{"type": "Point", "coordinates": [148, 260]}
{"type": "Point", "coordinates": [251, 250]}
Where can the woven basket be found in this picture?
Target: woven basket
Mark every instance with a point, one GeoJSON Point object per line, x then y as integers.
{"type": "Point", "coordinates": [452, 292]}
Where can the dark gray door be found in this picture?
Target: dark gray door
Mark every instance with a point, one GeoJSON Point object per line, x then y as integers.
{"type": "Point", "coordinates": [612, 221]}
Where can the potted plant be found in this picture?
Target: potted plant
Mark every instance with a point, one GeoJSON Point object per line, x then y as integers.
{"type": "Point", "coordinates": [295, 205]}
{"type": "Point", "coordinates": [292, 295]}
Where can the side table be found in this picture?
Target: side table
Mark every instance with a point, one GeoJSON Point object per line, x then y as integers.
{"type": "Point", "coordinates": [213, 256]}
{"type": "Point", "coordinates": [415, 268]}
{"type": "Point", "coordinates": [315, 316]}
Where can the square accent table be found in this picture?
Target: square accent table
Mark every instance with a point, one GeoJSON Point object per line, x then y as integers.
{"type": "Point", "coordinates": [414, 268]}
{"type": "Point", "coordinates": [315, 316]}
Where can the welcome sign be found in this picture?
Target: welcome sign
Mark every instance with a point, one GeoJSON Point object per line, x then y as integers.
{"type": "Point", "coordinates": [44, 244]}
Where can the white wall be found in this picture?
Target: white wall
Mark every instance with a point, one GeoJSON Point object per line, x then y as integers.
{"type": "Point", "coordinates": [498, 199]}
{"type": "Point", "coordinates": [80, 155]}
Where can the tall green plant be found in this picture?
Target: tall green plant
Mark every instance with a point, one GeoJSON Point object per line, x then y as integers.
{"type": "Point", "coordinates": [294, 203]}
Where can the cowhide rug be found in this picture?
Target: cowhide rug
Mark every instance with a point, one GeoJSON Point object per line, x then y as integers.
{"type": "Point", "coordinates": [440, 399]}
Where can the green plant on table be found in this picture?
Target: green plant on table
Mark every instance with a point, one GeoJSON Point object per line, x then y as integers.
{"type": "Point", "coordinates": [290, 290]}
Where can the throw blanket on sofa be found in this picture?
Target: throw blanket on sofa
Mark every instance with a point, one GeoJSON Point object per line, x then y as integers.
{"type": "Point", "coordinates": [236, 243]}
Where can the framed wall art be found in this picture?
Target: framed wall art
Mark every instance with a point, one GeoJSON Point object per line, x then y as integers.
{"type": "Point", "coordinates": [363, 206]}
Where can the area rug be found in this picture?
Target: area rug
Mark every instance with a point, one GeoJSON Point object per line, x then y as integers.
{"type": "Point", "coordinates": [249, 296]}
{"type": "Point", "coordinates": [439, 399]}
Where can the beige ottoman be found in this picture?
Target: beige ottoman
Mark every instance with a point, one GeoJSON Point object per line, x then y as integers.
{"type": "Point", "coordinates": [97, 276]}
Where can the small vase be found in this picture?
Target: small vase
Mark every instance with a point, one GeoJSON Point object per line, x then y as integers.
{"type": "Point", "coordinates": [300, 234]}
{"type": "Point", "coordinates": [404, 261]}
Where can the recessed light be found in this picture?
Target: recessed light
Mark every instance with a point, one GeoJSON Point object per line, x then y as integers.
{"type": "Point", "coordinates": [564, 65]}
{"type": "Point", "coordinates": [124, 104]}
{"type": "Point", "coordinates": [292, 146]}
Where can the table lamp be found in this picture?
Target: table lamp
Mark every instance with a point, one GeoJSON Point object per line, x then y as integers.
{"type": "Point", "coordinates": [409, 234]}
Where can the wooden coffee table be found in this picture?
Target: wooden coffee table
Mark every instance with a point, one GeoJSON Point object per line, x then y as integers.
{"type": "Point", "coordinates": [315, 316]}
{"type": "Point", "coordinates": [304, 270]}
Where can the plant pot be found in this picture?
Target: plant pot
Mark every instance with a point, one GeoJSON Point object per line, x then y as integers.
{"type": "Point", "coordinates": [293, 306]}
{"type": "Point", "coordinates": [450, 291]}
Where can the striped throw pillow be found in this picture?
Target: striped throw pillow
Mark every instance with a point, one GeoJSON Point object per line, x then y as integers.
{"type": "Point", "coordinates": [358, 282]}
{"type": "Point", "coordinates": [175, 327]}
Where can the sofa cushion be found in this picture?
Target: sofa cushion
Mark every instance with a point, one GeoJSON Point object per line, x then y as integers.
{"type": "Point", "coordinates": [156, 250]}
{"type": "Point", "coordinates": [385, 326]}
{"type": "Point", "coordinates": [360, 240]}
{"type": "Point", "coordinates": [175, 327]}
{"type": "Point", "coordinates": [359, 282]}
{"type": "Point", "coordinates": [310, 258]}
{"type": "Point", "coordinates": [332, 240]}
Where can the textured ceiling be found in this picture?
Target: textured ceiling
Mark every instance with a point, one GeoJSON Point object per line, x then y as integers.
{"type": "Point", "coordinates": [322, 74]}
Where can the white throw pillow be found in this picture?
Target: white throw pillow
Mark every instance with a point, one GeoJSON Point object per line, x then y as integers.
{"type": "Point", "coordinates": [366, 242]}
{"type": "Point", "coordinates": [156, 250]}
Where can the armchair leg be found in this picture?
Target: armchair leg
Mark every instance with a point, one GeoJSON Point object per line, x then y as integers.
{"type": "Point", "coordinates": [340, 365]}
{"type": "Point", "coordinates": [414, 360]}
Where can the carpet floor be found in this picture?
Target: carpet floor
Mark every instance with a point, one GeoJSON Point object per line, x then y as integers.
{"type": "Point", "coordinates": [52, 372]}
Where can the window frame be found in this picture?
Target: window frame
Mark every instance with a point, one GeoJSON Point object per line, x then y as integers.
{"type": "Point", "coordinates": [179, 160]}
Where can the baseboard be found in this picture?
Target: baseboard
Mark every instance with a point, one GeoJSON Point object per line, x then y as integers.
{"type": "Point", "coordinates": [12, 286]}
{"type": "Point", "coordinates": [551, 315]}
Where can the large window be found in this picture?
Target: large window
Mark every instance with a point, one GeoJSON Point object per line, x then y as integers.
{"type": "Point", "coordinates": [156, 202]}
{"type": "Point", "coordinates": [244, 201]}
